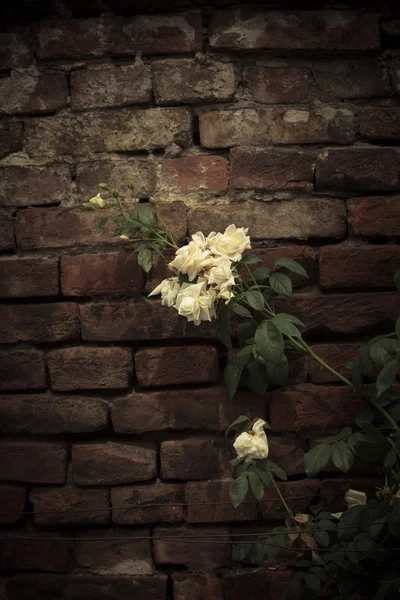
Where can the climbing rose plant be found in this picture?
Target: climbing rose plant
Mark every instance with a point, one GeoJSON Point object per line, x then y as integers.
{"type": "Point", "coordinates": [351, 555]}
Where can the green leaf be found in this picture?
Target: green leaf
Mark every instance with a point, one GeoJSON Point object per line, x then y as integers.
{"type": "Point", "coordinates": [240, 551]}
{"type": "Point", "coordinates": [354, 439]}
{"type": "Point", "coordinates": [390, 458]}
{"type": "Point", "coordinates": [387, 376]}
{"type": "Point", "coordinates": [342, 456]}
{"type": "Point", "coordinates": [293, 319]}
{"type": "Point", "coordinates": [256, 377]}
{"type": "Point", "coordinates": [397, 280]}
{"type": "Point", "coordinates": [249, 259]}
{"type": "Point", "coordinates": [246, 331]}
{"type": "Point", "coordinates": [278, 372]}
{"type": "Point", "coordinates": [293, 590]}
{"type": "Point", "coordinates": [102, 223]}
{"type": "Point", "coordinates": [356, 375]}
{"type": "Point", "coordinates": [257, 553]}
{"type": "Point", "coordinates": [277, 470]}
{"type": "Point", "coordinates": [285, 325]}
{"type": "Point", "coordinates": [317, 458]}
{"type": "Point", "coordinates": [241, 310]}
{"type": "Point", "coordinates": [313, 582]}
{"type": "Point", "coordinates": [291, 265]}
{"type": "Point", "coordinates": [238, 421]}
{"type": "Point", "coordinates": [269, 342]}
{"type": "Point", "coordinates": [350, 522]}
{"type": "Point", "coordinates": [257, 486]}
{"type": "Point", "coordinates": [145, 215]}
{"type": "Point", "coordinates": [255, 299]}
{"type": "Point", "coordinates": [238, 490]}
{"type": "Point", "coordinates": [382, 351]}
{"type": "Point", "coordinates": [327, 524]}
{"type": "Point", "coordinates": [232, 374]}
{"type": "Point", "coordinates": [224, 326]}
{"type": "Point", "coordinates": [263, 475]}
{"type": "Point", "coordinates": [366, 416]}
{"type": "Point", "coordinates": [144, 260]}
{"type": "Point", "coordinates": [398, 328]}
{"type": "Point", "coordinates": [261, 273]}
{"type": "Point", "coordinates": [281, 284]}
{"type": "Point", "coordinates": [366, 364]}
{"type": "Point", "coordinates": [343, 433]}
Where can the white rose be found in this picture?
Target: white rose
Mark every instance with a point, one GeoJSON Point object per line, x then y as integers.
{"type": "Point", "coordinates": [196, 302]}
{"type": "Point", "coordinates": [168, 289]}
{"type": "Point", "coordinates": [207, 305]}
{"type": "Point", "coordinates": [191, 259]}
{"type": "Point", "coordinates": [97, 202]}
{"type": "Point", "coordinates": [220, 274]}
{"type": "Point", "coordinates": [355, 498]}
{"type": "Point", "coordinates": [252, 444]}
{"type": "Point", "coordinates": [232, 243]}
{"type": "Point", "coordinates": [226, 294]}
{"type": "Point", "coordinates": [200, 241]}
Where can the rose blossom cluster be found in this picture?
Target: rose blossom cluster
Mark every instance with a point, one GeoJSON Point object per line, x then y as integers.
{"type": "Point", "coordinates": [209, 265]}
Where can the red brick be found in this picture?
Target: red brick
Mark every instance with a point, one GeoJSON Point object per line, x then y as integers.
{"type": "Point", "coordinates": [71, 227]}
{"type": "Point", "coordinates": [299, 219]}
{"type": "Point", "coordinates": [336, 355]}
{"type": "Point", "coordinates": [21, 370]}
{"type": "Point", "coordinates": [305, 255]}
{"type": "Point", "coordinates": [50, 554]}
{"type": "Point", "coordinates": [247, 29]}
{"type": "Point", "coordinates": [97, 274]}
{"type": "Point", "coordinates": [194, 458]}
{"type": "Point", "coordinates": [244, 403]}
{"type": "Point", "coordinates": [110, 85]}
{"type": "Point", "coordinates": [83, 587]}
{"type": "Point", "coordinates": [33, 92]}
{"type": "Point", "coordinates": [358, 267]}
{"type": "Point", "coordinates": [264, 126]}
{"type": "Point", "coordinates": [16, 49]}
{"type": "Point", "coordinates": [379, 123]}
{"type": "Point", "coordinates": [333, 491]}
{"type": "Point", "coordinates": [298, 495]}
{"type": "Point", "coordinates": [89, 368]}
{"type": "Point", "coordinates": [149, 504]}
{"type": "Point", "coordinates": [70, 506]}
{"type": "Point", "coordinates": [125, 130]}
{"type": "Point", "coordinates": [205, 587]}
{"type": "Point", "coordinates": [12, 501]}
{"type": "Point", "coordinates": [198, 555]}
{"type": "Point", "coordinates": [193, 81]}
{"type": "Point", "coordinates": [103, 555]}
{"type": "Point", "coordinates": [350, 79]}
{"type": "Point", "coordinates": [273, 85]}
{"type": "Point", "coordinates": [176, 365]}
{"type": "Point", "coordinates": [44, 413]}
{"type": "Point", "coordinates": [51, 322]}
{"type": "Point", "coordinates": [209, 502]}
{"type": "Point", "coordinates": [311, 407]}
{"type": "Point", "coordinates": [255, 168]}
{"type": "Point", "coordinates": [35, 185]}
{"type": "Point", "coordinates": [116, 172]}
{"type": "Point", "coordinates": [358, 169]}
{"type": "Point", "coordinates": [7, 241]}
{"type": "Point", "coordinates": [374, 216]}
{"type": "Point", "coordinates": [194, 172]}
{"type": "Point", "coordinates": [395, 73]}
{"type": "Point", "coordinates": [257, 584]}
{"type": "Point", "coordinates": [24, 277]}
{"type": "Point", "coordinates": [343, 313]}
{"type": "Point", "coordinates": [11, 137]}
{"type": "Point", "coordinates": [111, 464]}
{"type": "Point", "coordinates": [33, 462]}
{"type": "Point", "coordinates": [288, 453]}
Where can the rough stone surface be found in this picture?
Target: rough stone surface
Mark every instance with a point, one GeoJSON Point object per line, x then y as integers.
{"type": "Point", "coordinates": [148, 504]}
{"type": "Point", "coordinates": [112, 463]}
{"type": "Point", "coordinates": [395, 74]}
{"type": "Point", "coordinates": [7, 236]}
{"type": "Point", "coordinates": [287, 452]}
{"type": "Point", "coordinates": [274, 85]}
{"type": "Point", "coordinates": [49, 554]}
{"type": "Point", "coordinates": [70, 506]}
{"type": "Point", "coordinates": [348, 79]}
{"type": "Point", "coordinates": [12, 501]}
{"type": "Point", "coordinates": [187, 80]}
{"type": "Point", "coordinates": [32, 92]}
{"type": "Point", "coordinates": [50, 322]}
{"type": "Point", "coordinates": [11, 137]}
{"type": "Point", "coordinates": [336, 355]}
{"type": "Point", "coordinates": [374, 216]}
{"type": "Point", "coordinates": [379, 123]}
{"type": "Point", "coordinates": [257, 583]}
{"type": "Point", "coordinates": [203, 586]}
{"type": "Point", "coordinates": [24, 277]}
{"type": "Point", "coordinates": [195, 172]}
{"type": "Point", "coordinates": [33, 462]}
{"type": "Point", "coordinates": [110, 85]}
{"type": "Point", "coordinates": [298, 494]}
{"type": "Point", "coordinates": [16, 49]}
{"type": "Point", "coordinates": [194, 458]}
{"type": "Point", "coordinates": [89, 368]}
{"type": "Point", "coordinates": [34, 185]}
{"type": "Point", "coordinates": [21, 370]}
{"type": "Point", "coordinates": [209, 502]}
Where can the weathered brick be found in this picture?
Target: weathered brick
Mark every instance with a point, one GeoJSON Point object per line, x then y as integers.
{"type": "Point", "coordinates": [70, 506]}
{"type": "Point", "coordinates": [256, 168]}
{"type": "Point", "coordinates": [21, 370]}
{"type": "Point", "coordinates": [300, 219]}
{"type": "Point", "coordinates": [70, 227]}
{"type": "Point", "coordinates": [343, 313]}
{"type": "Point", "coordinates": [35, 185]}
{"type": "Point", "coordinates": [244, 403]}
{"type": "Point", "coordinates": [44, 413]}
{"type": "Point", "coordinates": [89, 368]}
{"type": "Point", "coordinates": [103, 555]}
{"type": "Point", "coordinates": [16, 49]}
{"type": "Point", "coordinates": [209, 502]}
{"type": "Point", "coordinates": [379, 123]}
{"type": "Point", "coordinates": [390, 30]}
{"type": "Point", "coordinates": [194, 458]}
{"type": "Point", "coordinates": [274, 85]}
{"type": "Point", "coordinates": [94, 274]}
{"type": "Point", "coordinates": [32, 92]}
{"type": "Point", "coordinates": [11, 137]}
{"type": "Point", "coordinates": [51, 322]}
{"type": "Point", "coordinates": [24, 277]}
{"type": "Point", "coordinates": [149, 504]}
{"type": "Point", "coordinates": [358, 169]}
{"type": "Point", "coordinates": [12, 501]}
{"type": "Point", "coordinates": [111, 464]}
{"type": "Point", "coordinates": [310, 407]}
{"type": "Point", "coordinates": [395, 74]}
{"type": "Point", "coordinates": [336, 355]}
{"type": "Point", "coordinates": [7, 239]}
{"type": "Point", "coordinates": [344, 79]}
{"type": "Point", "coordinates": [287, 452]}
{"type": "Point", "coordinates": [258, 584]}
{"type": "Point", "coordinates": [176, 365]}
{"type": "Point", "coordinates": [155, 34]}
{"type": "Point", "coordinates": [198, 556]}
{"type": "Point", "coordinates": [33, 462]}
{"type": "Point", "coordinates": [83, 587]}
{"type": "Point", "coordinates": [374, 216]}
{"type": "Point", "coordinates": [195, 172]}
{"type": "Point", "coordinates": [190, 80]}
{"type": "Point", "coordinates": [203, 586]}
{"type": "Point", "coordinates": [298, 495]}
{"type": "Point", "coordinates": [116, 173]}
{"type": "Point", "coordinates": [262, 126]}
{"type": "Point", "coordinates": [50, 554]}
{"type": "Point", "coordinates": [110, 85]}
{"type": "Point", "coordinates": [358, 267]}
{"type": "Point", "coordinates": [247, 29]}
{"type": "Point", "coordinates": [305, 255]}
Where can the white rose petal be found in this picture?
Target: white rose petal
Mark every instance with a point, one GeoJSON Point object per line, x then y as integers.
{"type": "Point", "coordinates": [196, 302]}
{"type": "Point", "coordinates": [97, 202]}
{"type": "Point", "coordinates": [253, 444]}
{"type": "Point", "coordinates": [355, 498]}
{"type": "Point", "coordinates": [168, 289]}
{"type": "Point", "coordinates": [220, 274]}
{"type": "Point", "coordinates": [191, 259]}
{"type": "Point", "coordinates": [232, 243]}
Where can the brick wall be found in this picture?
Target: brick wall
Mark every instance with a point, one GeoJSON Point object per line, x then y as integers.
{"type": "Point", "coordinates": [112, 408]}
